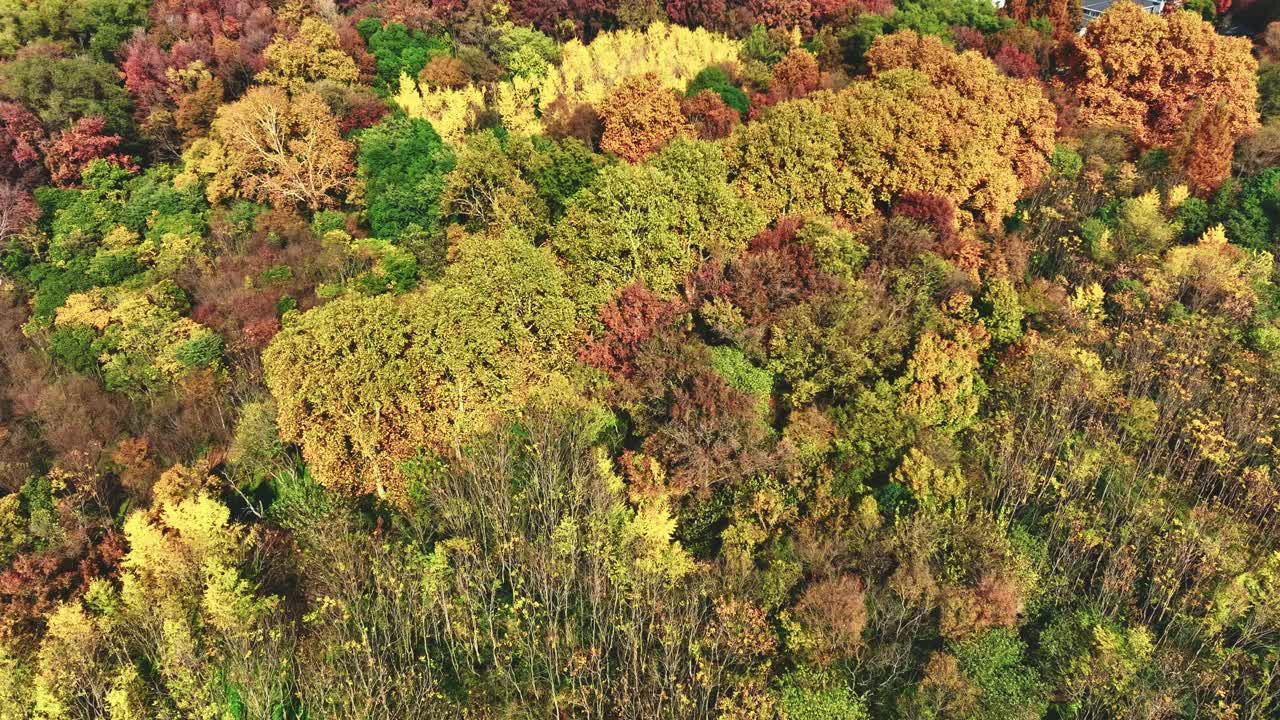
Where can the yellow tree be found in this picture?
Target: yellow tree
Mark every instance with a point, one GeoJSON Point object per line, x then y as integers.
{"type": "Point", "coordinates": [1151, 74]}
{"type": "Point", "coordinates": [1014, 111]}
{"type": "Point", "coordinates": [273, 148]}
{"type": "Point", "coordinates": [312, 54]}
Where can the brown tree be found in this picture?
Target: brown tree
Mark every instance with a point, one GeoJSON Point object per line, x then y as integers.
{"type": "Point", "coordinates": [640, 118]}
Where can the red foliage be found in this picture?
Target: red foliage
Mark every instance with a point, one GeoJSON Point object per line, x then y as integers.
{"type": "Point", "coordinates": [17, 209]}
{"type": "Point", "coordinates": [967, 38]}
{"type": "Point", "coordinates": [351, 43]}
{"type": "Point", "coordinates": [588, 17]}
{"type": "Point", "coordinates": [1016, 63]}
{"type": "Point", "coordinates": [784, 14]}
{"type": "Point", "coordinates": [710, 117]}
{"type": "Point", "coordinates": [21, 136]}
{"type": "Point", "coordinates": [776, 272]}
{"type": "Point", "coordinates": [935, 211]}
{"type": "Point", "coordinates": [629, 319]}
{"type": "Point", "coordinates": [697, 13]}
{"type": "Point", "coordinates": [364, 112]}
{"type": "Point", "coordinates": [418, 14]}
{"type": "Point", "coordinates": [795, 76]}
{"type": "Point", "coordinates": [229, 36]}
{"type": "Point", "coordinates": [144, 74]}
{"type": "Point", "coordinates": [835, 611]}
{"type": "Point", "coordinates": [713, 434]}
{"type": "Point", "coordinates": [69, 152]}
{"type": "Point", "coordinates": [36, 582]}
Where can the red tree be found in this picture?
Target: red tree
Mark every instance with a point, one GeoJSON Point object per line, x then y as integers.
{"type": "Point", "coordinates": [710, 117]}
{"type": "Point", "coordinates": [17, 209]}
{"type": "Point", "coordinates": [935, 211]}
{"type": "Point", "coordinates": [629, 319]}
{"type": "Point", "coordinates": [698, 13]}
{"type": "Point", "coordinates": [21, 136]}
{"type": "Point", "coordinates": [71, 151]}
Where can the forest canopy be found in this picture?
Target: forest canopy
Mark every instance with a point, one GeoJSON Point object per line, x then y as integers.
{"type": "Point", "coordinates": [639, 360]}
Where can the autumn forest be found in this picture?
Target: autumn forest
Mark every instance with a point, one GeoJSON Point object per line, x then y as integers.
{"type": "Point", "coordinates": [639, 360]}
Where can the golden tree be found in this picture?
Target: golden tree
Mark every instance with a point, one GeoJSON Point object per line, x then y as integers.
{"type": "Point", "coordinates": [310, 55]}
{"type": "Point", "coordinates": [1150, 74]}
{"type": "Point", "coordinates": [1015, 112]}
{"type": "Point", "coordinates": [271, 148]}
{"type": "Point", "coordinates": [640, 117]}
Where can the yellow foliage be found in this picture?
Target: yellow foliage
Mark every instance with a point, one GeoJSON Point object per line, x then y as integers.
{"type": "Point", "coordinates": [66, 663]}
{"type": "Point", "coordinates": [1088, 301]}
{"type": "Point", "coordinates": [1212, 272]}
{"type": "Point", "coordinates": [314, 53]}
{"type": "Point", "coordinates": [86, 308]}
{"type": "Point", "coordinates": [515, 103]}
{"type": "Point", "coordinates": [930, 484]}
{"type": "Point", "coordinates": [145, 335]}
{"type": "Point", "coordinates": [675, 54]}
{"type": "Point", "coordinates": [651, 531]}
{"type": "Point", "coordinates": [451, 111]}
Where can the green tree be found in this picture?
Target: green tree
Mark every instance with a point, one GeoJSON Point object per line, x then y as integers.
{"type": "Point", "coordinates": [404, 164]}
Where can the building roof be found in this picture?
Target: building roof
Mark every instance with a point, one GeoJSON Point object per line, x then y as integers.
{"type": "Point", "coordinates": [1094, 8]}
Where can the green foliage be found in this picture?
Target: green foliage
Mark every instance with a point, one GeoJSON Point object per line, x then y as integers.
{"type": "Point", "coordinates": [718, 81]}
{"type": "Point", "coordinates": [525, 52]}
{"type": "Point", "coordinates": [99, 26]}
{"type": "Point", "coordinates": [403, 162]}
{"type": "Point", "coordinates": [1066, 162]}
{"type": "Point", "coordinates": [1004, 311]}
{"type": "Point", "coordinates": [62, 90]}
{"type": "Point", "coordinates": [1252, 210]}
{"type": "Point", "coordinates": [651, 223]}
{"type": "Point", "coordinates": [1269, 91]}
{"type": "Point", "coordinates": [399, 50]}
{"type": "Point", "coordinates": [72, 348]}
{"type": "Point", "coordinates": [1007, 688]}
{"type": "Point", "coordinates": [937, 17]}
{"type": "Point", "coordinates": [808, 695]}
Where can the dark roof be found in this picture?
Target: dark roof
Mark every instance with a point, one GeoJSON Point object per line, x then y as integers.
{"type": "Point", "coordinates": [1094, 8]}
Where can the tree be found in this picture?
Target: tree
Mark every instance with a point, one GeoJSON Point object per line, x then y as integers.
{"type": "Point", "coordinates": [709, 116]}
{"type": "Point", "coordinates": [21, 139]}
{"type": "Point", "coordinates": [403, 163]}
{"type": "Point", "coordinates": [640, 117]}
{"type": "Point", "coordinates": [17, 209]}
{"type": "Point", "coordinates": [365, 384]}
{"type": "Point", "coordinates": [311, 55]}
{"type": "Point", "coordinates": [1021, 116]}
{"type": "Point", "coordinates": [1149, 73]}
{"type": "Point", "coordinates": [62, 90]}
{"type": "Point", "coordinates": [400, 51]}
{"type": "Point", "coordinates": [795, 76]}
{"type": "Point", "coordinates": [69, 152]}
{"type": "Point", "coordinates": [140, 340]}
{"type": "Point", "coordinates": [788, 163]}
{"type": "Point", "coordinates": [271, 148]}
{"type": "Point", "coordinates": [451, 111]}
{"type": "Point", "coordinates": [587, 72]}
{"type": "Point", "coordinates": [651, 223]}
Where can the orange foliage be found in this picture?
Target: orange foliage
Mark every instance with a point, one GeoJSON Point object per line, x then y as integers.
{"type": "Point", "coordinates": [1150, 73]}
{"type": "Point", "coordinates": [640, 118]}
